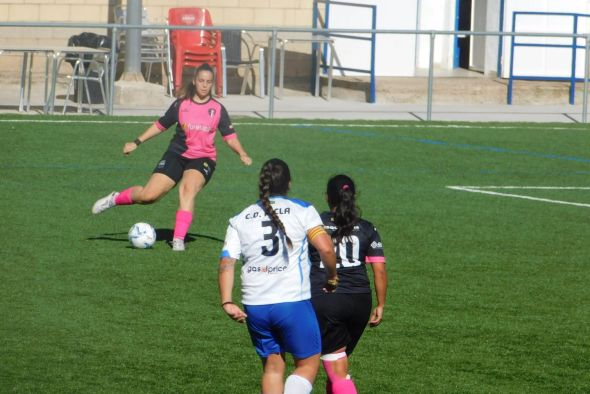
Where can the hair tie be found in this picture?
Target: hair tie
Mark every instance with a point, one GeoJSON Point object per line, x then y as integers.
{"type": "Point", "coordinates": [345, 187]}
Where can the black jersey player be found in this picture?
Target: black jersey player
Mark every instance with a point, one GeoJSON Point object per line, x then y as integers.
{"type": "Point", "coordinates": [344, 314]}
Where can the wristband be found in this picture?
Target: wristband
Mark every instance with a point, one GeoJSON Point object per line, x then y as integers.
{"type": "Point", "coordinates": [226, 303]}
{"type": "Point", "coordinates": [333, 282]}
{"type": "Point", "coordinates": [137, 141]}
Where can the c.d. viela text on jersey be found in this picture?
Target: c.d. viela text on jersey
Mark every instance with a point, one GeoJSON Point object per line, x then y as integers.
{"type": "Point", "coordinates": [280, 211]}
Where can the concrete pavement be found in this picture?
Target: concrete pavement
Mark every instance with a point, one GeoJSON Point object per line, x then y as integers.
{"type": "Point", "coordinates": [481, 105]}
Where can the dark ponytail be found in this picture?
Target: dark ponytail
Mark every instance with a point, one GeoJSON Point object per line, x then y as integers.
{"type": "Point", "coordinates": [274, 180]}
{"type": "Point", "coordinates": [342, 201]}
{"type": "Point", "coordinates": [190, 90]}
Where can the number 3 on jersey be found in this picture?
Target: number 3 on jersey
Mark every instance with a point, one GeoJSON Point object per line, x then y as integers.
{"type": "Point", "coordinates": [272, 235]}
{"type": "Point", "coordinates": [347, 253]}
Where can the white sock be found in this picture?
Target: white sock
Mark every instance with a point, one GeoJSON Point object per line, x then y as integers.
{"type": "Point", "coordinates": [296, 384]}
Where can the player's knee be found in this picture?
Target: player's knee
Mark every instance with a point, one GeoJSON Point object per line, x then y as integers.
{"type": "Point", "coordinates": [274, 362]}
{"type": "Point", "coordinates": [330, 361]}
{"type": "Point", "coordinates": [188, 191]}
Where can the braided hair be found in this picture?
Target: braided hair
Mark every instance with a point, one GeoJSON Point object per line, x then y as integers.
{"type": "Point", "coordinates": [190, 90]}
{"type": "Point", "coordinates": [342, 201]}
{"type": "Point", "coordinates": [274, 180]}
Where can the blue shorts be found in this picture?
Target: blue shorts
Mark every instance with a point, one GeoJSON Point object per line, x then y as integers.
{"type": "Point", "coordinates": [288, 327]}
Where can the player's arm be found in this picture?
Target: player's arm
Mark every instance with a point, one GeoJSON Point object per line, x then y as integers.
{"type": "Point", "coordinates": [226, 285]}
{"type": "Point", "coordinates": [380, 282]}
{"type": "Point", "coordinates": [166, 121]}
{"type": "Point", "coordinates": [375, 257]}
{"type": "Point", "coordinates": [151, 131]}
{"type": "Point", "coordinates": [320, 240]}
{"type": "Point", "coordinates": [227, 262]}
{"type": "Point", "coordinates": [236, 146]}
{"type": "Point", "coordinates": [231, 138]}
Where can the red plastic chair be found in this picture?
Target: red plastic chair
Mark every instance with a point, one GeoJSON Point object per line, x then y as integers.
{"type": "Point", "coordinates": [191, 48]}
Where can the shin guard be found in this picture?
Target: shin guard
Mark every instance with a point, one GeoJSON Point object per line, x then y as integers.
{"type": "Point", "coordinates": [183, 222]}
{"type": "Point", "coordinates": [336, 384]}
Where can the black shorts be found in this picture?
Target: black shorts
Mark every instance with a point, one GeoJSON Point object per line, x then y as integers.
{"type": "Point", "coordinates": [342, 319]}
{"type": "Point", "coordinates": [173, 165]}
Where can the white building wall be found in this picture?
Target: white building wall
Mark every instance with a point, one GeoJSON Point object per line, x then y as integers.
{"type": "Point", "coordinates": [543, 62]}
{"type": "Point", "coordinates": [492, 42]}
{"type": "Point", "coordinates": [401, 54]}
{"type": "Point", "coordinates": [436, 15]}
{"type": "Point", "coordinates": [395, 54]}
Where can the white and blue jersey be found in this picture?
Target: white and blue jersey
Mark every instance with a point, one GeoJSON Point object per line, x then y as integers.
{"type": "Point", "coordinates": [271, 273]}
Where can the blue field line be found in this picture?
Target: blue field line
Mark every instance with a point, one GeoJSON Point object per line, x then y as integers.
{"type": "Point", "coordinates": [336, 128]}
{"type": "Point", "coordinates": [72, 166]}
{"type": "Point", "coordinates": [494, 149]}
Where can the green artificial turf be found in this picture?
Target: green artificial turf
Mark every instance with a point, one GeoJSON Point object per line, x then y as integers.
{"type": "Point", "coordinates": [487, 293]}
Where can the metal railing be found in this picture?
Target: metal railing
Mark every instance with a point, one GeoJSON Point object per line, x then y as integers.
{"type": "Point", "coordinates": [572, 47]}
{"type": "Point", "coordinates": [274, 32]}
{"type": "Point", "coordinates": [371, 39]}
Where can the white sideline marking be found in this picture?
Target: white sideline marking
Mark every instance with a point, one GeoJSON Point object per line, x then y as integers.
{"type": "Point", "coordinates": [74, 121]}
{"type": "Point", "coordinates": [527, 187]}
{"type": "Point", "coordinates": [407, 125]}
{"type": "Point", "coordinates": [394, 126]}
{"type": "Point", "coordinates": [478, 189]}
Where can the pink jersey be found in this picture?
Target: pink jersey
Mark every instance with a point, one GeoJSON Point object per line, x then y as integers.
{"type": "Point", "coordinates": [196, 127]}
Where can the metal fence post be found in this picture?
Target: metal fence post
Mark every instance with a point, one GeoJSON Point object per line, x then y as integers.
{"type": "Point", "coordinates": [271, 74]}
{"type": "Point", "coordinates": [586, 72]}
{"type": "Point", "coordinates": [113, 70]}
{"type": "Point", "coordinates": [430, 77]}
{"type": "Point", "coordinates": [133, 41]}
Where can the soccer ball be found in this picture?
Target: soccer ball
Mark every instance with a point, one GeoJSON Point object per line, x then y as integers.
{"type": "Point", "coordinates": [142, 235]}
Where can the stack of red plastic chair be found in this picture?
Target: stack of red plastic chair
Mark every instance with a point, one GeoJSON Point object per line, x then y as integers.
{"type": "Point", "coordinates": [191, 48]}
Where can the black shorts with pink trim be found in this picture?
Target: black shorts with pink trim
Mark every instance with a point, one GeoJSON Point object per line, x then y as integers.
{"type": "Point", "coordinates": [174, 165]}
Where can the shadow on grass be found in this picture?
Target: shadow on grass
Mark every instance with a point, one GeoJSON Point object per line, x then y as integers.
{"type": "Point", "coordinates": [162, 235]}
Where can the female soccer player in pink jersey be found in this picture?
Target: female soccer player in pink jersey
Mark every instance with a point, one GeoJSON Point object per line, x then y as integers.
{"type": "Point", "coordinates": [271, 236]}
{"type": "Point", "coordinates": [344, 314]}
{"type": "Point", "coordinates": [191, 155]}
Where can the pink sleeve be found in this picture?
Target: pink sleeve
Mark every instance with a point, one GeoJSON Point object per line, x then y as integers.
{"type": "Point", "coordinates": [229, 136]}
{"type": "Point", "coordinates": [159, 126]}
{"type": "Point", "coordinates": [374, 259]}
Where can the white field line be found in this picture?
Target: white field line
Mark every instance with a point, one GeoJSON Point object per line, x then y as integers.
{"type": "Point", "coordinates": [528, 187]}
{"type": "Point", "coordinates": [74, 121]}
{"type": "Point", "coordinates": [478, 189]}
{"type": "Point", "coordinates": [416, 125]}
{"type": "Point", "coordinates": [407, 125]}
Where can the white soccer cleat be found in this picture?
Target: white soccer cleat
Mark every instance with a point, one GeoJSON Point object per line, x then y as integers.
{"type": "Point", "coordinates": [178, 245]}
{"type": "Point", "coordinates": [102, 204]}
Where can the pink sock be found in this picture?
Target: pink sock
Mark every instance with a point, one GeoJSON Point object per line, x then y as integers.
{"type": "Point", "coordinates": [343, 386]}
{"type": "Point", "coordinates": [329, 372]}
{"type": "Point", "coordinates": [124, 197]}
{"type": "Point", "coordinates": [336, 384]}
{"type": "Point", "coordinates": [183, 222]}
{"type": "Point", "coordinates": [329, 386]}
